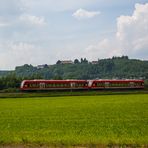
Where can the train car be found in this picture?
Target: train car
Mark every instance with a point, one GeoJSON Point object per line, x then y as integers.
{"type": "Point", "coordinates": [80, 84]}
{"type": "Point", "coordinates": [53, 84]}
{"type": "Point", "coordinates": [117, 84]}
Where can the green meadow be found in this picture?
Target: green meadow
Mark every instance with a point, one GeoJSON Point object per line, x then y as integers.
{"type": "Point", "coordinates": [75, 120]}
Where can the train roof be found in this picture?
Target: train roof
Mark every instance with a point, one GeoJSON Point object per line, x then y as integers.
{"type": "Point", "coordinates": [54, 80]}
{"type": "Point", "coordinates": [98, 80]}
{"type": "Point", "coordinates": [119, 80]}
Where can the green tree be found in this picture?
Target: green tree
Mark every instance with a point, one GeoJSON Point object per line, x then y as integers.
{"type": "Point", "coordinates": [76, 61]}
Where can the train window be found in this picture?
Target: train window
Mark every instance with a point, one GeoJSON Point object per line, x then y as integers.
{"type": "Point", "coordinates": [31, 85]}
{"type": "Point", "coordinates": [99, 84]}
{"type": "Point", "coordinates": [49, 85]}
{"type": "Point", "coordinates": [35, 85]}
{"type": "Point", "coordinates": [66, 85]}
{"type": "Point", "coordinates": [112, 84]}
{"type": "Point", "coordinates": [81, 85]}
{"type": "Point", "coordinates": [107, 84]}
{"type": "Point", "coordinates": [56, 85]}
{"type": "Point", "coordinates": [132, 84]}
{"type": "Point", "coordinates": [123, 84]}
{"type": "Point", "coordinates": [94, 84]}
{"type": "Point", "coordinates": [26, 85]}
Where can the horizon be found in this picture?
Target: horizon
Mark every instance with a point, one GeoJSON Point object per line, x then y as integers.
{"type": "Point", "coordinates": [45, 31]}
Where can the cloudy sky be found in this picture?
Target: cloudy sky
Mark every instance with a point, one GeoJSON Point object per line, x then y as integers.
{"type": "Point", "coordinates": [44, 31]}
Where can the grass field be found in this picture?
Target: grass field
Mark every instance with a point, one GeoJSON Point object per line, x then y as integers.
{"type": "Point", "coordinates": [75, 120]}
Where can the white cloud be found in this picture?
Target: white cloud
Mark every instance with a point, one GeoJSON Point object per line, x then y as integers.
{"type": "Point", "coordinates": [10, 7]}
{"type": "Point", "coordinates": [19, 53]}
{"type": "Point", "coordinates": [132, 32]}
{"type": "Point", "coordinates": [103, 49]}
{"type": "Point", "coordinates": [32, 20]}
{"type": "Point", "coordinates": [3, 24]}
{"type": "Point", "coordinates": [84, 14]}
{"type": "Point", "coordinates": [130, 39]}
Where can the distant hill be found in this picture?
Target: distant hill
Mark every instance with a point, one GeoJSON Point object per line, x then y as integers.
{"type": "Point", "coordinates": [116, 67]}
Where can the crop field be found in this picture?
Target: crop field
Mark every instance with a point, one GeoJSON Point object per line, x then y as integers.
{"type": "Point", "coordinates": [75, 120]}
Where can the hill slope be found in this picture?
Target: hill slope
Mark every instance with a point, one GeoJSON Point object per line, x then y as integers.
{"type": "Point", "coordinates": [106, 68]}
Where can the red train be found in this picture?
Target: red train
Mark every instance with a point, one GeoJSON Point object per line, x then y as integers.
{"type": "Point", "coordinates": [80, 84]}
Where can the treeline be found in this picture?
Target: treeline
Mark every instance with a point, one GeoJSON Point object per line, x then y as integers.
{"type": "Point", "coordinates": [116, 67]}
{"type": "Point", "coordinates": [12, 82]}
{"type": "Point", "coordinates": [113, 68]}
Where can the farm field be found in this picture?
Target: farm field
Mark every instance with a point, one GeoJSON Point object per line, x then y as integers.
{"type": "Point", "coordinates": [75, 120]}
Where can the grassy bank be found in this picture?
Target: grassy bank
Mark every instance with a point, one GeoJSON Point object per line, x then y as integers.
{"type": "Point", "coordinates": [75, 120]}
{"type": "Point", "coordinates": [70, 93]}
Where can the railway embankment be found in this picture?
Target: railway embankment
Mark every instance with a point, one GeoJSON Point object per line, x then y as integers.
{"type": "Point", "coordinates": [19, 94]}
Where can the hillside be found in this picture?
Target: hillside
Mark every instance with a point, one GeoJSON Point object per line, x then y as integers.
{"type": "Point", "coordinates": [117, 67]}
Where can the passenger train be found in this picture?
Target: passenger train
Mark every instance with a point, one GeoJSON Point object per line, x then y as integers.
{"type": "Point", "coordinates": [28, 85]}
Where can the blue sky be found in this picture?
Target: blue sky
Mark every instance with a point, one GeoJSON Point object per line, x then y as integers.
{"type": "Point", "coordinates": [44, 31]}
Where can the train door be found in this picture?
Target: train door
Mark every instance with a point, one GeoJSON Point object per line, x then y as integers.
{"type": "Point", "coordinates": [107, 84]}
{"type": "Point", "coordinates": [90, 82]}
{"type": "Point", "coordinates": [132, 84]}
{"type": "Point", "coordinates": [72, 85]}
{"type": "Point", "coordinates": [42, 85]}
